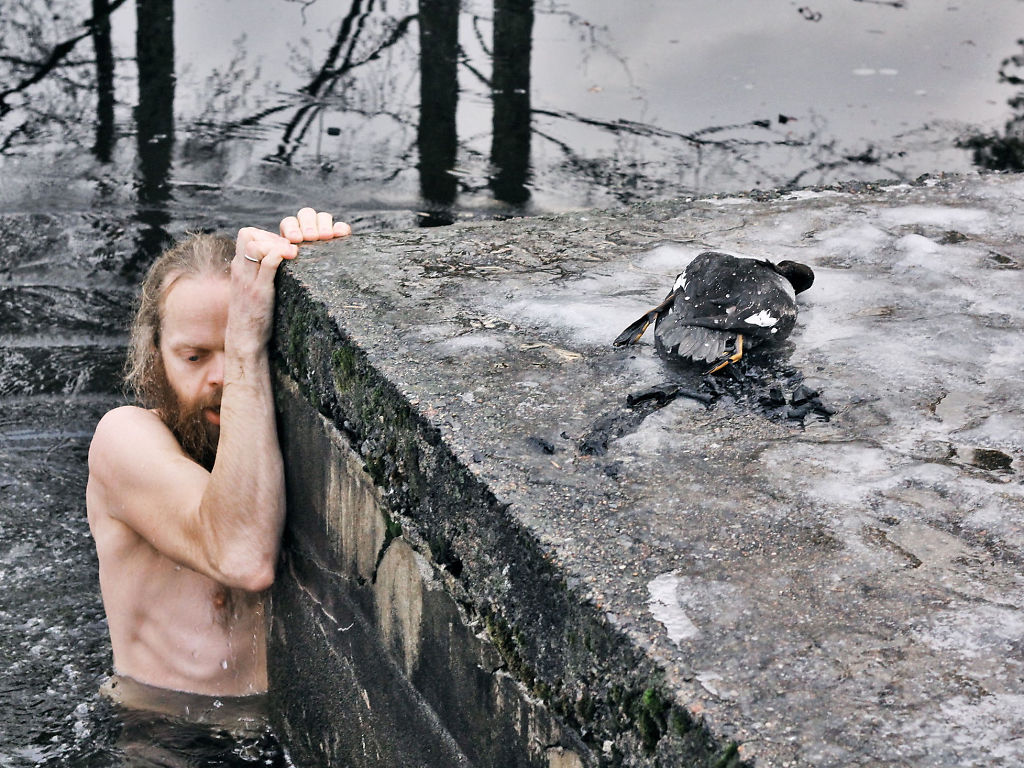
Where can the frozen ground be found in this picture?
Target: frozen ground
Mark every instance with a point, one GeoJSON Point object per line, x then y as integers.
{"type": "Point", "coordinates": [842, 591]}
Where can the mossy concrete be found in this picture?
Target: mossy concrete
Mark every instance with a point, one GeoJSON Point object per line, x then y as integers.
{"type": "Point", "coordinates": [495, 556]}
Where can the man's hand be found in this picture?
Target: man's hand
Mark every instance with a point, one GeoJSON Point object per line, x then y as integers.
{"type": "Point", "coordinates": [258, 254]}
{"type": "Point", "coordinates": [308, 225]}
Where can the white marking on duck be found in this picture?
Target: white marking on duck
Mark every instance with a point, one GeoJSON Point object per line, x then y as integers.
{"type": "Point", "coordinates": [763, 319]}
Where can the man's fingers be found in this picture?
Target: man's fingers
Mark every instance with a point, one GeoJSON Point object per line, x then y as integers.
{"type": "Point", "coordinates": [307, 223]}
{"type": "Point", "coordinates": [325, 225]}
{"type": "Point", "coordinates": [269, 265]}
{"type": "Point", "coordinates": [290, 229]}
{"type": "Point", "coordinates": [248, 235]}
{"type": "Point", "coordinates": [259, 249]}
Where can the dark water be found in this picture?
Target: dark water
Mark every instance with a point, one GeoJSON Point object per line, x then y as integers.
{"type": "Point", "coordinates": [124, 123]}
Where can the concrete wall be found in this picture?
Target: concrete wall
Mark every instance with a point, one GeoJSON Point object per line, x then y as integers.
{"type": "Point", "coordinates": [415, 620]}
{"type": "Point", "coordinates": [375, 661]}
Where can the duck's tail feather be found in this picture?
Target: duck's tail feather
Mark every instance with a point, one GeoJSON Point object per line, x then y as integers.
{"type": "Point", "coordinates": [636, 329]}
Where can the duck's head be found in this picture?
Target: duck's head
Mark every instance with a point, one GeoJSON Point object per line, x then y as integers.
{"type": "Point", "coordinates": [800, 276]}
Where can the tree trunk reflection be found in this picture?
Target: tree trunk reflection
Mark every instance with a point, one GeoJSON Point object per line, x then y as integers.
{"type": "Point", "coordinates": [510, 94]}
{"type": "Point", "coordinates": [154, 117]}
{"type": "Point", "coordinates": [436, 137]}
{"type": "Point", "coordinates": [104, 80]}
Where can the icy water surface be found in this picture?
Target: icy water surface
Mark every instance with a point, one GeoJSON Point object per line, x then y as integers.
{"type": "Point", "coordinates": [123, 123]}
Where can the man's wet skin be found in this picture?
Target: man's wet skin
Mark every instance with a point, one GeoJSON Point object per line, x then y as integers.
{"type": "Point", "coordinates": [186, 496]}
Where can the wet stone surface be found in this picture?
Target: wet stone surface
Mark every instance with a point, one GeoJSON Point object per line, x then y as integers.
{"type": "Point", "coordinates": [836, 584]}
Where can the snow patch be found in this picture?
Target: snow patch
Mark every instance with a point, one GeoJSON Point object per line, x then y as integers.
{"type": "Point", "coordinates": [949, 217]}
{"type": "Point", "coordinates": [472, 342]}
{"type": "Point", "coordinates": [664, 605]}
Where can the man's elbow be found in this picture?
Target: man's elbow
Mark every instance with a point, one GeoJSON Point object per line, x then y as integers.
{"type": "Point", "coordinates": [250, 575]}
{"type": "Point", "coordinates": [259, 580]}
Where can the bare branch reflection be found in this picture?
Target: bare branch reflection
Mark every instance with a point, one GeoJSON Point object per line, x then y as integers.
{"type": "Point", "coordinates": [1003, 152]}
{"type": "Point", "coordinates": [51, 57]}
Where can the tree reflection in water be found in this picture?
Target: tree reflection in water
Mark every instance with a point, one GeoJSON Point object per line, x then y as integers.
{"type": "Point", "coordinates": [393, 114]}
{"type": "Point", "coordinates": [477, 136]}
{"type": "Point", "coordinates": [1005, 151]}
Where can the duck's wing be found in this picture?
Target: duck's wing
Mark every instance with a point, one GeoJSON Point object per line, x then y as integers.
{"type": "Point", "coordinates": [768, 307]}
{"type": "Point", "coordinates": [692, 342]}
{"type": "Point", "coordinates": [758, 302]}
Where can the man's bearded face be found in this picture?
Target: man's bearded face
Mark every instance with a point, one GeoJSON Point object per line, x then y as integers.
{"type": "Point", "coordinates": [187, 420]}
{"type": "Point", "coordinates": [190, 362]}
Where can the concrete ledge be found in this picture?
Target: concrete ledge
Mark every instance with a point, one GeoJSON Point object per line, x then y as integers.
{"type": "Point", "coordinates": [492, 560]}
{"type": "Point", "coordinates": [380, 665]}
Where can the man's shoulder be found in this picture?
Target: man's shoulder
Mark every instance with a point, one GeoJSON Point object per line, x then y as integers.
{"type": "Point", "coordinates": [125, 431]}
{"type": "Point", "coordinates": [127, 422]}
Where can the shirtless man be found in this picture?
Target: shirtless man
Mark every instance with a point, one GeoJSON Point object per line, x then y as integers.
{"type": "Point", "coordinates": [186, 498]}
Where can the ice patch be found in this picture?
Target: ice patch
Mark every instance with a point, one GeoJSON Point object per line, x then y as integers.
{"type": "Point", "coordinates": [813, 194]}
{"type": "Point", "coordinates": [916, 244]}
{"type": "Point", "coordinates": [670, 259]}
{"type": "Point", "coordinates": [842, 475]}
{"type": "Point", "coordinates": [919, 251]}
{"type": "Point", "coordinates": [472, 342]}
{"type": "Point", "coordinates": [861, 240]}
{"type": "Point", "coordinates": [949, 735]}
{"type": "Point", "coordinates": [665, 607]}
{"type": "Point", "coordinates": [966, 219]}
{"type": "Point", "coordinates": [981, 631]}
{"type": "Point", "coordinates": [590, 322]}
{"type": "Point", "coordinates": [1005, 430]}
{"type": "Point", "coordinates": [727, 201]}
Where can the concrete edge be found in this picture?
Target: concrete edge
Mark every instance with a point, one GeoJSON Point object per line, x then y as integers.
{"type": "Point", "coordinates": [555, 643]}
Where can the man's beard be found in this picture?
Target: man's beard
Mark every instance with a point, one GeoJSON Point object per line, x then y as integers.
{"type": "Point", "coordinates": [187, 421]}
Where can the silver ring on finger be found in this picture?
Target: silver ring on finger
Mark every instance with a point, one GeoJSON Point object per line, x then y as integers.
{"type": "Point", "coordinates": [250, 258]}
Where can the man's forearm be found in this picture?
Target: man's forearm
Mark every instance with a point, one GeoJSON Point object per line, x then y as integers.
{"type": "Point", "coordinates": [241, 513]}
{"type": "Point", "coordinates": [242, 510]}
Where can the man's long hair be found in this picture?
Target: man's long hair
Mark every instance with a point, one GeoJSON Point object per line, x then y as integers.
{"type": "Point", "coordinates": [196, 255]}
